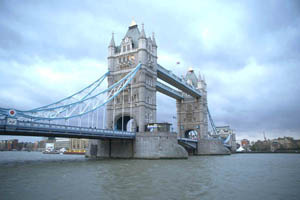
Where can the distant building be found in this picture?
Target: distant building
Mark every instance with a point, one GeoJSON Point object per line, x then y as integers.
{"type": "Point", "coordinates": [15, 144]}
{"type": "Point", "coordinates": [78, 145]}
{"type": "Point", "coordinates": [285, 143]}
{"type": "Point", "coordinates": [61, 143]}
{"type": "Point", "coordinates": [9, 145]}
{"type": "Point", "coordinates": [245, 143]}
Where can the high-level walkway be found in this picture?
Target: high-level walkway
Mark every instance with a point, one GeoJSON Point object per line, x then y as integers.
{"type": "Point", "coordinates": [177, 82]}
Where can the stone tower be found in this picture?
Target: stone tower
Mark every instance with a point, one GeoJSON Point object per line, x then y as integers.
{"type": "Point", "coordinates": [138, 107]}
{"type": "Point", "coordinates": [192, 112]}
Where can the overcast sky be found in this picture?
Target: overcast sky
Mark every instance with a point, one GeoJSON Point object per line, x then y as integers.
{"type": "Point", "coordinates": [249, 52]}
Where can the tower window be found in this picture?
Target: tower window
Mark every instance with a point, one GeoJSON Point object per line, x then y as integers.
{"type": "Point", "coordinates": [124, 48]}
{"type": "Point", "coordinates": [128, 47]}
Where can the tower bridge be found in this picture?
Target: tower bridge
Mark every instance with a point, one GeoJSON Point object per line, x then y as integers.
{"type": "Point", "coordinates": [127, 106]}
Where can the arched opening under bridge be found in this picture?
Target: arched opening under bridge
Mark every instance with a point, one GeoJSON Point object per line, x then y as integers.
{"type": "Point", "coordinates": [191, 134]}
{"type": "Point", "coordinates": [129, 124]}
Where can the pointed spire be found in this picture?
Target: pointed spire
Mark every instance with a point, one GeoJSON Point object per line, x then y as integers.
{"type": "Point", "coordinates": [133, 23]}
{"type": "Point", "coordinates": [199, 77]}
{"type": "Point", "coordinates": [153, 40]}
{"type": "Point", "coordinates": [112, 41]}
{"type": "Point", "coordinates": [142, 34]}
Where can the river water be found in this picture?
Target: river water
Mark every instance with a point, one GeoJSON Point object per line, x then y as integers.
{"type": "Point", "coordinates": [33, 175]}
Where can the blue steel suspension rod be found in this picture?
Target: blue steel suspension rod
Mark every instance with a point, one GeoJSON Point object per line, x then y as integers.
{"type": "Point", "coordinates": [78, 115]}
{"type": "Point", "coordinates": [212, 122]}
{"type": "Point", "coordinates": [61, 118]}
{"type": "Point", "coordinates": [80, 101]}
{"type": "Point", "coordinates": [100, 80]}
{"type": "Point", "coordinates": [66, 108]}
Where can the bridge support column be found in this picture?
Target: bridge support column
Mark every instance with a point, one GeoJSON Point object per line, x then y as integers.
{"type": "Point", "coordinates": [147, 145]}
{"type": "Point", "coordinates": [110, 148]}
{"type": "Point", "coordinates": [158, 145]}
{"type": "Point", "coordinates": [211, 147]}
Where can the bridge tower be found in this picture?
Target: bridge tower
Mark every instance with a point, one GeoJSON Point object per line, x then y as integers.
{"type": "Point", "coordinates": [137, 104]}
{"type": "Point", "coordinates": [191, 111]}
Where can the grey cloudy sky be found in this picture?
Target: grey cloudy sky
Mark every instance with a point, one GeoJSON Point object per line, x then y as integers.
{"type": "Point", "coordinates": [249, 52]}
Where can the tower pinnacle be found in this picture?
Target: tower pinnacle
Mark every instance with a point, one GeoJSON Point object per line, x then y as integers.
{"type": "Point", "coordinates": [153, 40]}
{"type": "Point", "coordinates": [142, 35]}
{"type": "Point", "coordinates": [133, 23]}
{"type": "Point", "coordinates": [112, 41]}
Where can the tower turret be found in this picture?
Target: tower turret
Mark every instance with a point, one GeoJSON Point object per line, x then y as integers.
{"type": "Point", "coordinates": [111, 53]}
{"type": "Point", "coordinates": [199, 84]}
{"type": "Point", "coordinates": [203, 82]}
{"type": "Point", "coordinates": [140, 98]}
{"type": "Point", "coordinates": [191, 78]}
{"type": "Point", "coordinates": [142, 51]}
{"type": "Point", "coordinates": [154, 45]}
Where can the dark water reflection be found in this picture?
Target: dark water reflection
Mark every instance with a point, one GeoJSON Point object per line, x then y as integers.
{"type": "Point", "coordinates": [26, 175]}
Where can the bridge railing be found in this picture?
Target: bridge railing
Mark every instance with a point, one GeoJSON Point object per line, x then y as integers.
{"type": "Point", "coordinates": [187, 139]}
{"type": "Point", "coordinates": [58, 127]}
{"type": "Point", "coordinates": [2, 121]}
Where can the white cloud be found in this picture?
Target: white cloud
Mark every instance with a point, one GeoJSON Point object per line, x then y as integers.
{"type": "Point", "coordinates": [59, 78]}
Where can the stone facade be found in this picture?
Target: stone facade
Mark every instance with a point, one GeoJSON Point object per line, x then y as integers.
{"type": "Point", "coordinates": [192, 112]}
{"type": "Point", "coordinates": [147, 145]}
{"type": "Point", "coordinates": [138, 101]}
{"type": "Point", "coordinates": [212, 147]}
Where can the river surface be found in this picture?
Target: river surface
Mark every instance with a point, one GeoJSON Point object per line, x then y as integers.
{"type": "Point", "coordinates": [33, 175]}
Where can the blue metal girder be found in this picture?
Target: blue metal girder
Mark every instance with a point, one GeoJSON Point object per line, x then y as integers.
{"type": "Point", "coordinates": [188, 142]}
{"type": "Point", "coordinates": [55, 130]}
{"type": "Point", "coordinates": [168, 91]}
{"type": "Point", "coordinates": [177, 82]}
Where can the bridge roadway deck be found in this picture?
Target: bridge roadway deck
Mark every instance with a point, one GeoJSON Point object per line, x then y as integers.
{"type": "Point", "coordinates": [190, 143]}
{"type": "Point", "coordinates": [54, 130]}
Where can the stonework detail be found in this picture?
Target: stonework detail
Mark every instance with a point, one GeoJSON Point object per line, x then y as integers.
{"type": "Point", "coordinates": [192, 112]}
{"type": "Point", "coordinates": [140, 96]}
{"type": "Point", "coordinates": [136, 105]}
